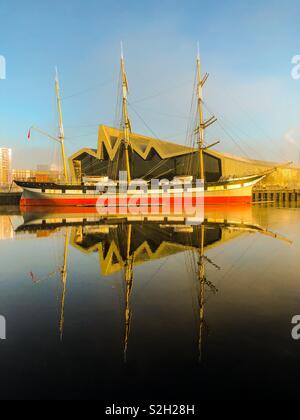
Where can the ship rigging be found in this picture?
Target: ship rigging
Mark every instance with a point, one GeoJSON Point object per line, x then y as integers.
{"type": "Point", "coordinates": [99, 194]}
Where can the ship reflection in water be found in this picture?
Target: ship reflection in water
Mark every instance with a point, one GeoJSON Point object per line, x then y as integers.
{"type": "Point", "coordinates": [134, 307]}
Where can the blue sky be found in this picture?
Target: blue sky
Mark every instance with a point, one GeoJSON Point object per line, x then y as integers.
{"type": "Point", "coordinates": [246, 46]}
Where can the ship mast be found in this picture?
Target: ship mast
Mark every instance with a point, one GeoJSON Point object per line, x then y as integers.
{"type": "Point", "coordinates": [202, 283]}
{"type": "Point", "coordinates": [200, 131]}
{"type": "Point", "coordinates": [61, 128]}
{"type": "Point", "coordinates": [128, 290]}
{"type": "Point", "coordinates": [202, 280]}
{"type": "Point", "coordinates": [125, 117]}
{"type": "Point", "coordinates": [64, 276]}
{"type": "Point", "coordinates": [200, 111]}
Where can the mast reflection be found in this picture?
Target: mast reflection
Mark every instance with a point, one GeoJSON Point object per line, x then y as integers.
{"type": "Point", "coordinates": [123, 244]}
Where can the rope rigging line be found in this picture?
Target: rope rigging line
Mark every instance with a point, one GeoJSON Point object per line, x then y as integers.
{"type": "Point", "coordinates": [73, 127]}
{"type": "Point", "coordinates": [143, 121]}
{"type": "Point", "coordinates": [235, 133]}
{"type": "Point", "coordinates": [229, 135]}
{"type": "Point", "coordinates": [162, 92]}
{"type": "Point", "coordinates": [252, 119]}
{"type": "Point", "coordinates": [80, 136]}
{"type": "Point", "coordinates": [257, 126]}
{"type": "Point", "coordinates": [191, 136]}
{"type": "Point", "coordinates": [113, 166]}
{"type": "Point", "coordinates": [165, 114]}
{"type": "Point", "coordinates": [244, 252]}
{"type": "Point", "coordinates": [83, 92]}
{"type": "Point", "coordinates": [191, 125]}
{"type": "Point", "coordinates": [163, 161]}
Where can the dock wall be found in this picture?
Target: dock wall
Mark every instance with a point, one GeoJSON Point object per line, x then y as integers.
{"type": "Point", "coordinates": [10, 198]}
{"type": "Point", "coordinates": [276, 195]}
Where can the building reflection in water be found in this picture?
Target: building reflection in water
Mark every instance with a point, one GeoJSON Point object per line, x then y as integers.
{"type": "Point", "coordinates": [6, 228]}
{"type": "Point", "coordinates": [124, 243]}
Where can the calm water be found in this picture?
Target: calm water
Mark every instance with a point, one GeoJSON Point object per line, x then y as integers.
{"type": "Point", "coordinates": [124, 310]}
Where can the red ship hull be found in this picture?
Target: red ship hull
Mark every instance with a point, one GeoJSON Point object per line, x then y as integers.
{"type": "Point", "coordinates": [93, 202]}
{"type": "Point", "coordinates": [53, 195]}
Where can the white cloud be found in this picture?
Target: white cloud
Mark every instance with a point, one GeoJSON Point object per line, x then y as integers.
{"type": "Point", "coordinates": [293, 136]}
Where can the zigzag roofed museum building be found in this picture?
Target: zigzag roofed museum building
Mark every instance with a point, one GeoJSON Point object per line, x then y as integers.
{"type": "Point", "coordinates": [152, 158]}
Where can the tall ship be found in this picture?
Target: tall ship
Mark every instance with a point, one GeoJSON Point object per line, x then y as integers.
{"type": "Point", "coordinates": [191, 187]}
